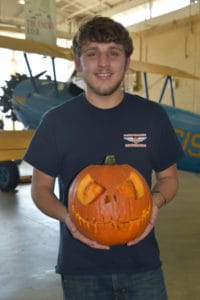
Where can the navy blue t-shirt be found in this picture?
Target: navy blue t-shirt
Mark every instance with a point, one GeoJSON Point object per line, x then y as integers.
{"type": "Point", "coordinates": [77, 134]}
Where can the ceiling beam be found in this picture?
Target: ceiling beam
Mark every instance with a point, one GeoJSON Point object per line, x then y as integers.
{"type": "Point", "coordinates": [123, 6]}
{"type": "Point", "coordinates": [174, 16]}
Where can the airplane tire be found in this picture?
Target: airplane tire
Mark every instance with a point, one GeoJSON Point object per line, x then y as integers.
{"type": "Point", "coordinates": [9, 176]}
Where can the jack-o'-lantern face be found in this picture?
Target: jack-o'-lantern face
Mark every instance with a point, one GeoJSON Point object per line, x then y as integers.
{"type": "Point", "coordinates": [110, 203]}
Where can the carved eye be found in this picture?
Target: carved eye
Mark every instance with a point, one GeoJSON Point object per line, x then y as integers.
{"type": "Point", "coordinates": [88, 190]}
{"type": "Point", "coordinates": [132, 187]}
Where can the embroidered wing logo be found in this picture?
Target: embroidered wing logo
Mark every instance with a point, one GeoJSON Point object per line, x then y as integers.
{"type": "Point", "coordinates": [136, 140]}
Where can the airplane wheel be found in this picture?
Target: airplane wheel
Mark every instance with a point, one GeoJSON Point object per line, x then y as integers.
{"type": "Point", "coordinates": [9, 176]}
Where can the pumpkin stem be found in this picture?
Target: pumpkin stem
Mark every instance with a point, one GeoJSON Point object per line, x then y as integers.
{"type": "Point", "coordinates": [110, 160]}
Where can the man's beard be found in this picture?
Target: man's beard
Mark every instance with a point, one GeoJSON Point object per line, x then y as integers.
{"type": "Point", "coordinates": [103, 91]}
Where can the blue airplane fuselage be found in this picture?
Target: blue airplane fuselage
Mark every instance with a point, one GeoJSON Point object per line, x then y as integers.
{"type": "Point", "coordinates": [30, 105]}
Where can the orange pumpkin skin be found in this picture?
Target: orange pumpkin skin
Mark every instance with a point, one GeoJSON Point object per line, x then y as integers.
{"type": "Point", "coordinates": [110, 204]}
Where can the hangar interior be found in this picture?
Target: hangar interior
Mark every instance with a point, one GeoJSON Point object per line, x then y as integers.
{"type": "Point", "coordinates": [154, 38]}
{"type": "Point", "coordinates": [28, 238]}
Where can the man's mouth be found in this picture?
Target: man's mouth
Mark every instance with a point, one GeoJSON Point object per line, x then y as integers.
{"type": "Point", "coordinates": [104, 75]}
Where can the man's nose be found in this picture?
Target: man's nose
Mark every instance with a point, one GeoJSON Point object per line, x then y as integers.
{"type": "Point", "coordinates": [103, 59]}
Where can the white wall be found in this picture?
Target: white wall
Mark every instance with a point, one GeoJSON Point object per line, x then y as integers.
{"type": "Point", "coordinates": [176, 45]}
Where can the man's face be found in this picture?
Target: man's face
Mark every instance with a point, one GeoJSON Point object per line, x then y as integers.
{"type": "Point", "coordinates": [103, 66]}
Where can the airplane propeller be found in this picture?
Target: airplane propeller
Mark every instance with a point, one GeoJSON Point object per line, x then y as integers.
{"type": "Point", "coordinates": [5, 99]}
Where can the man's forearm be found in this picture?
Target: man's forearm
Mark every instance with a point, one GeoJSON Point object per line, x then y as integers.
{"type": "Point", "coordinates": [49, 204]}
{"type": "Point", "coordinates": [164, 190]}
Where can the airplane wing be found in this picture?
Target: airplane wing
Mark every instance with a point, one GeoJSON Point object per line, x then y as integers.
{"type": "Point", "coordinates": [160, 69]}
{"type": "Point", "coordinates": [27, 45]}
{"type": "Point", "coordinates": [14, 144]}
{"type": "Point", "coordinates": [32, 46]}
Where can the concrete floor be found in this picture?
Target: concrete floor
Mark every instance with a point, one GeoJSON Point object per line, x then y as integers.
{"type": "Point", "coordinates": [28, 245]}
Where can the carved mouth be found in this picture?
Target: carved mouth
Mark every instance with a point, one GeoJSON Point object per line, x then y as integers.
{"type": "Point", "coordinates": [88, 222]}
{"type": "Point", "coordinates": [112, 232]}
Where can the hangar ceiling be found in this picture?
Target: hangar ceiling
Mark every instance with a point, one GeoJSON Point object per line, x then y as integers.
{"type": "Point", "coordinates": [69, 13]}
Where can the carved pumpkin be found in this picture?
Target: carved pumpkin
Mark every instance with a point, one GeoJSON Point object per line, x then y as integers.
{"type": "Point", "coordinates": [110, 203]}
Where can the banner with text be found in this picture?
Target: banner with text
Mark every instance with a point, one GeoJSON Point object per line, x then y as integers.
{"type": "Point", "coordinates": [40, 20]}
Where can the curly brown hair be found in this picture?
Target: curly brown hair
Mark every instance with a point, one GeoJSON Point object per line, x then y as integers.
{"type": "Point", "coordinates": [102, 30]}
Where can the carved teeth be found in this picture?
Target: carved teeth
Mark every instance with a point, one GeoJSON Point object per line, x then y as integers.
{"type": "Point", "coordinates": [85, 221]}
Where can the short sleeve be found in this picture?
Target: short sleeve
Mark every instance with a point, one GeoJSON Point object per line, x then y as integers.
{"type": "Point", "coordinates": [42, 152]}
{"type": "Point", "coordinates": [167, 149]}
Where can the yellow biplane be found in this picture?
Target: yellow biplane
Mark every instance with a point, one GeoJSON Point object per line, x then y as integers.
{"type": "Point", "coordinates": [33, 96]}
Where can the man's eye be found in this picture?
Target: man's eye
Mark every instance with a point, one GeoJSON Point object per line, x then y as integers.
{"type": "Point", "coordinates": [114, 53]}
{"type": "Point", "coordinates": [89, 54]}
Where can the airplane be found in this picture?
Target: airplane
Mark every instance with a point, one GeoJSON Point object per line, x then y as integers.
{"type": "Point", "coordinates": [186, 124]}
{"type": "Point", "coordinates": [28, 98]}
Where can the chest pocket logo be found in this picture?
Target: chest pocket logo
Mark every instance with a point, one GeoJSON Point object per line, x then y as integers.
{"type": "Point", "coordinates": [135, 140]}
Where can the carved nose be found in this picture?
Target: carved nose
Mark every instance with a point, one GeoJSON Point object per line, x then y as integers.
{"type": "Point", "coordinates": [109, 198]}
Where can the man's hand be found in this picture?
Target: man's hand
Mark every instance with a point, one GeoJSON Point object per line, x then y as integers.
{"type": "Point", "coordinates": [79, 236]}
{"type": "Point", "coordinates": [164, 190]}
{"type": "Point", "coordinates": [150, 225]}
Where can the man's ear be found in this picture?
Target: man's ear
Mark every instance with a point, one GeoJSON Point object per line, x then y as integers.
{"type": "Point", "coordinates": [77, 63]}
{"type": "Point", "coordinates": [128, 61]}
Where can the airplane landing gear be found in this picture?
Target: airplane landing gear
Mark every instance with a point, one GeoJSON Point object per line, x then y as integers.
{"type": "Point", "coordinates": [9, 176]}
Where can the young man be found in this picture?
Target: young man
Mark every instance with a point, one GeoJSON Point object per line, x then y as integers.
{"type": "Point", "coordinates": [82, 132]}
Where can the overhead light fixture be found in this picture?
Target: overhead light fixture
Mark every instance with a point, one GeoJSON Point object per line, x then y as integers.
{"type": "Point", "coordinates": [21, 1]}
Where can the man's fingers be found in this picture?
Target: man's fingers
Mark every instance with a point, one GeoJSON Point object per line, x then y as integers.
{"type": "Point", "coordinates": [79, 236]}
{"type": "Point", "coordinates": [142, 236]}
